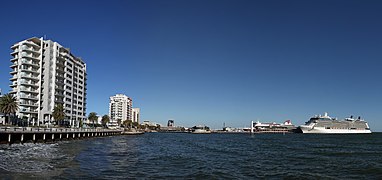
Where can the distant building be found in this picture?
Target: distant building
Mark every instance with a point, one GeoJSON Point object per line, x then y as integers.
{"type": "Point", "coordinates": [120, 108]}
{"type": "Point", "coordinates": [45, 74]}
{"type": "Point", "coordinates": [170, 123]}
{"type": "Point", "coordinates": [149, 123]}
{"type": "Point", "coordinates": [135, 114]}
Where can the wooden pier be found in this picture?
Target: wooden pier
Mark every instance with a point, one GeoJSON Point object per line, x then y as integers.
{"type": "Point", "coordinates": [10, 135]}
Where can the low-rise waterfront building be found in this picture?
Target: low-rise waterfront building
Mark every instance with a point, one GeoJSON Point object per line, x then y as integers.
{"type": "Point", "coordinates": [150, 123]}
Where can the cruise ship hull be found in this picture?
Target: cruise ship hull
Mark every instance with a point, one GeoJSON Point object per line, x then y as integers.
{"type": "Point", "coordinates": [322, 130]}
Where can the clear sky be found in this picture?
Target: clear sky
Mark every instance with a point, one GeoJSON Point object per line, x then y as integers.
{"type": "Point", "coordinates": [210, 62]}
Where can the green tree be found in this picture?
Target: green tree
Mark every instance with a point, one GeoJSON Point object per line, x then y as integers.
{"type": "Point", "coordinates": [8, 106]}
{"type": "Point", "coordinates": [93, 117]}
{"type": "Point", "coordinates": [59, 114]}
{"type": "Point", "coordinates": [105, 120]}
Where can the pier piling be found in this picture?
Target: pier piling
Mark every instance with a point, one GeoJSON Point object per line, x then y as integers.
{"type": "Point", "coordinates": [12, 135]}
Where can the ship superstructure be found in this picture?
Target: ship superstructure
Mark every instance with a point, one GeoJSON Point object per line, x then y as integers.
{"type": "Point", "coordinates": [286, 127]}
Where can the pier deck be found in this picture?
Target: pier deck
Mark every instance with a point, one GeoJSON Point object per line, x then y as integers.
{"type": "Point", "coordinates": [37, 134]}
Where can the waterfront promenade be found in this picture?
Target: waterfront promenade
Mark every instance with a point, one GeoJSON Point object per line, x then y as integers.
{"type": "Point", "coordinates": [12, 135]}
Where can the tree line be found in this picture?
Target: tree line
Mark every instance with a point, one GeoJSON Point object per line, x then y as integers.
{"type": "Point", "coordinates": [9, 106]}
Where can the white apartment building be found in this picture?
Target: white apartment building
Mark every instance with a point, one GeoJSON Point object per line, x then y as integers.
{"type": "Point", "coordinates": [120, 108]}
{"type": "Point", "coordinates": [135, 114]}
{"type": "Point", "coordinates": [45, 74]}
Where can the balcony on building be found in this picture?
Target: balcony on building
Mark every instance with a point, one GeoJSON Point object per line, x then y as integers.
{"type": "Point", "coordinates": [60, 81]}
{"type": "Point", "coordinates": [29, 76]}
{"type": "Point", "coordinates": [16, 51]}
{"type": "Point", "coordinates": [28, 103]}
{"type": "Point", "coordinates": [60, 75]}
{"type": "Point", "coordinates": [29, 97]}
{"type": "Point", "coordinates": [14, 84]}
{"type": "Point", "coordinates": [14, 77]}
{"type": "Point", "coordinates": [31, 62]}
{"type": "Point", "coordinates": [15, 46]}
{"type": "Point", "coordinates": [60, 87]}
{"type": "Point", "coordinates": [60, 62]}
{"type": "Point", "coordinates": [30, 69]}
{"type": "Point", "coordinates": [30, 55]}
{"type": "Point", "coordinates": [14, 71]}
{"type": "Point", "coordinates": [29, 90]}
{"type": "Point", "coordinates": [58, 100]}
{"type": "Point", "coordinates": [63, 51]}
{"type": "Point", "coordinates": [34, 42]}
{"type": "Point", "coordinates": [59, 94]}
{"type": "Point", "coordinates": [60, 69]}
{"type": "Point", "coordinates": [14, 65]}
{"type": "Point", "coordinates": [29, 83]}
{"type": "Point", "coordinates": [15, 58]}
{"type": "Point", "coordinates": [30, 49]}
{"type": "Point", "coordinates": [28, 110]}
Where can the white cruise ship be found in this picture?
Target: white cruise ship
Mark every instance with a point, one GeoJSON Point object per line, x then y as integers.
{"type": "Point", "coordinates": [325, 124]}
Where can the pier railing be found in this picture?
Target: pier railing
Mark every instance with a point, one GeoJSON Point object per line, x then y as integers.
{"type": "Point", "coordinates": [39, 129]}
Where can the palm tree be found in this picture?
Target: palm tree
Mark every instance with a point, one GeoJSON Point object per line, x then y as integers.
{"type": "Point", "coordinates": [81, 123]}
{"type": "Point", "coordinates": [58, 113]}
{"type": "Point", "coordinates": [105, 120]}
{"type": "Point", "coordinates": [127, 123]}
{"type": "Point", "coordinates": [93, 117]}
{"type": "Point", "coordinates": [119, 122]}
{"type": "Point", "coordinates": [8, 106]}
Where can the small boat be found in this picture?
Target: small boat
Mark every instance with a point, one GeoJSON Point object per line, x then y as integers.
{"type": "Point", "coordinates": [132, 132]}
{"type": "Point", "coordinates": [200, 130]}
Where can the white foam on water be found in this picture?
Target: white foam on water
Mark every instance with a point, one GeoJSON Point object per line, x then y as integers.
{"type": "Point", "coordinates": [28, 158]}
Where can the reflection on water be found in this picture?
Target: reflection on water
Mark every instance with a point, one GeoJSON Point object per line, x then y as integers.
{"type": "Point", "coordinates": [216, 156]}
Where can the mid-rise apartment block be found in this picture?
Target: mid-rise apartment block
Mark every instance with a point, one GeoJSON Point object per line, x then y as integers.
{"type": "Point", "coordinates": [120, 108]}
{"type": "Point", "coordinates": [136, 114]}
{"type": "Point", "coordinates": [45, 74]}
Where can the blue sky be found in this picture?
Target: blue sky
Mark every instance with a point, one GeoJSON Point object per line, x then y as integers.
{"type": "Point", "coordinates": [210, 62]}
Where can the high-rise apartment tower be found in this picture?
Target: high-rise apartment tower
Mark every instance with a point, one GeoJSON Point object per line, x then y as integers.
{"type": "Point", "coordinates": [45, 74]}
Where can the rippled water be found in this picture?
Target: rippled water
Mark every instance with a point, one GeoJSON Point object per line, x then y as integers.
{"type": "Point", "coordinates": [199, 156]}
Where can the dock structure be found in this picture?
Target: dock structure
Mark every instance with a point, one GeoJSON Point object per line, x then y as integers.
{"type": "Point", "coordinates": [10, 135]}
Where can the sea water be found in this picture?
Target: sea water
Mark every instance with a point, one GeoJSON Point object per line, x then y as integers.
{"type": "Point", "coordinates": [198, 156]}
